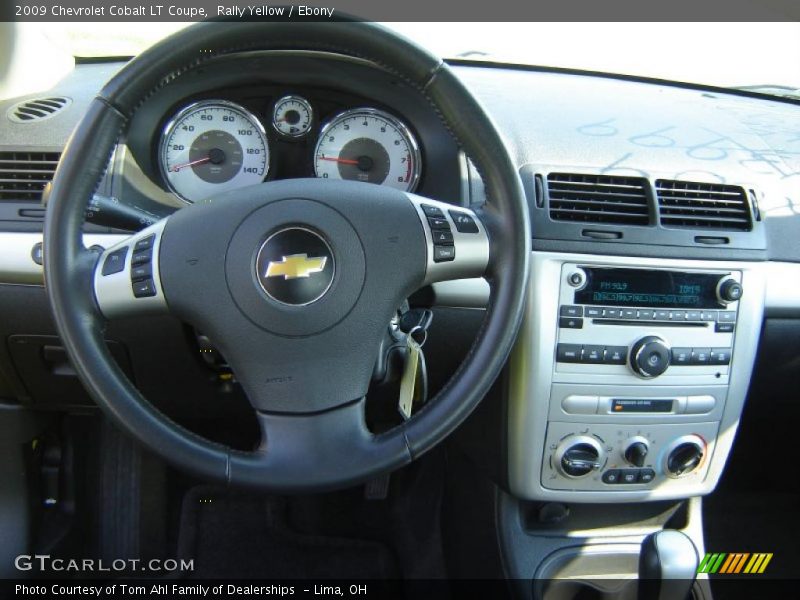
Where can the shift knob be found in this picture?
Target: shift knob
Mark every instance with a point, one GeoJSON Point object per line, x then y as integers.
{"type": "Point", "coordinates": [667, 566]}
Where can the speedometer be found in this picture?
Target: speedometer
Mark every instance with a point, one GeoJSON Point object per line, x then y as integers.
{"type": "Point", "coordinates": [366, 144]}
{"type": "Point", "coordinates": [211, 147]}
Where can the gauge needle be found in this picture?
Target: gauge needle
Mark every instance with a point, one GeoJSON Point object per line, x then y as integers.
{"type": "Point", "coordinates": [344, 161]}
{"type": "Point", "coordinates": [199, 161]}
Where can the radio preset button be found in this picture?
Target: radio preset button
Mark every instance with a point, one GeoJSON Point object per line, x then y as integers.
{"type": "Point", "coordinates": [628, 313]}
{"type": "Point", "coordinates": [682, 356]}
{"type": "Point", "coordinates": [646, 315]}
{"type": "Point", "coordinates": [662, 315]}
{"type": "Point", "coordinates": [677, 315]}
{"type": "Point", "coordinates": [570, 323]}
{"type": "Point", "coordinates": [709, 315]}
{"type": "Point", "coordinates": [701, 356]}
{"type": "Point", "coordinates": [612, 313]}
{"type": "Point", "coordinates": [571, 311]}
{"type": "Point", "coordinates": [694, 315]}
{"type": "Point", "coordinates": [616, 355]}
{"type": "Point", "coordinates": [720, 356]}
{"type": "Point", "coordinates": [568, 353]}
{"type": "Point", "coordinates": [593, 354]}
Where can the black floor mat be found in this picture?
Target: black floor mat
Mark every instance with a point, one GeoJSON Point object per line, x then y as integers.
{"type": "Point", "coordinates": [237, 535]}
{"type": "Point", "coordinates": [739, 521]}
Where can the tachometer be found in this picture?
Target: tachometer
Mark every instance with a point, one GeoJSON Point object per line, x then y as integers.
{"type": "Point", "coordinates": [366, 144]}
{"type": "Point", "coordinates": [211, 147]}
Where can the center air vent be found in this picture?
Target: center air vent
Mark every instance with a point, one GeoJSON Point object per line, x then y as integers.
{"type": "Point", "coordinates": [23, 175]}
{"type": "Point", "coordinates": [703, 205]}
{"type": "Point", "coordinates": [37, 109]}
{"type": "Point", "coordinates": [598, 199]}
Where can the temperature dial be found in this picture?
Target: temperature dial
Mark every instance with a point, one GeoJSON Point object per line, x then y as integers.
{"type": "Point", "coordinates": [685, 455]}
{"type": "Point", "coordinates": [292, 116]}
{"type": "Point", "coordinates": [579, 455]}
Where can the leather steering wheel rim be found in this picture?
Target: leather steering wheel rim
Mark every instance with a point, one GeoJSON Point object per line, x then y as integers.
{"type": "Point", "coordinates": [300, 456]}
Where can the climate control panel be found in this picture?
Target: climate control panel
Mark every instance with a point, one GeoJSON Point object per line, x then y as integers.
{"type": "Point", "coordinates": [612, 456]}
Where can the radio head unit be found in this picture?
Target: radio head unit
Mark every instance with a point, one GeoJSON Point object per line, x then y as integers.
{"type": "Point", "coordinates": [627, 324]}
{"type": "Point", "coordinates": [649, 288]}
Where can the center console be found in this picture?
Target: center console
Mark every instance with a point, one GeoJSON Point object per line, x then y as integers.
{"type": "Point", "coordinates": [629, 376]}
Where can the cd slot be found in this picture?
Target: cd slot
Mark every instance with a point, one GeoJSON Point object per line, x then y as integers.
{"type": "Point", "coordinates": [648, 323]}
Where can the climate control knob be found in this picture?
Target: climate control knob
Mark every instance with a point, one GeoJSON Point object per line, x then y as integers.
{"type": "Point", "coordinates": [636, 452]}
{"type": "Point", "coordinates": [579, 455]}
{"type": "Point", "coordinates": [650, 356]}
{"type": "Point", "coordinates": [685, 455]}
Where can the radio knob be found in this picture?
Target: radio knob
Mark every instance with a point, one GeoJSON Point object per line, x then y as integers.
{"type": "Point", "coordinates": [650, 356]}
{"type": "Point", "coordinates": [579, 455]}
{"type": "Point", "coordinates": [729, 290]}
{"type": "Point", "coordinates": [636, 452]}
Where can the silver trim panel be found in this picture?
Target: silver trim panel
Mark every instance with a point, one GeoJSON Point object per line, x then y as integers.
{"type": "Point", "coordinates": [114, 292]}
{"type": "Point", "coordinates": [472, 249]}
{"type": "Point", "coordinates": [16, 263]}
{"type": "Point", "coordinates": [536, 413]}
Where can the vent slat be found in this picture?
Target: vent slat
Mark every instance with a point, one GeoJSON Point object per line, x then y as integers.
{"type": "Point", "coordinates": [602, 195]}
{"type": "Point", "coordinates": [706, 219]}
{"type": "Point", "coordinates": [605, 213]}
{"type": "Point", "coordinates": [598, 199]}
{"type": "Point", "coordinates": [703, 205]}
{"type": "Point", "coordinates": [23, 175]}
{"type": "Point", "coordinates": [593, 202]}
{"type": "Point", "coordinates": [678, 210]}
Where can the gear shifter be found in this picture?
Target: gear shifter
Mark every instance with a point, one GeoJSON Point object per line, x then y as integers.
{"type": "Point", "coordinates": [667, 566]}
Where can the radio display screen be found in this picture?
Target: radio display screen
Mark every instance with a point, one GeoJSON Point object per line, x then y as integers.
{"type": "Point", "coordinates": [637, 287]}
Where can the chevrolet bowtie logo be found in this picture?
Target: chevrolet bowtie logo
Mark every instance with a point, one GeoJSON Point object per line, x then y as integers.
{"type": "Point", "coordinates": [296, 265]}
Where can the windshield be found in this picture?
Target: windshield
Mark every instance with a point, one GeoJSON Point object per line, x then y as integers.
{"type": "Point", "coordinates": [762, 56]}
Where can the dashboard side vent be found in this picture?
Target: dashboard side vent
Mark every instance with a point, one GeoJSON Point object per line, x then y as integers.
{"type": "Point", "coordinates": [23, 175]}
{"type": "Point", "coordinates": [598, 199]}
{"type": "Point", "coordinates": [37, 109]}
{"type": "Point", "coordinates": [703, 205]}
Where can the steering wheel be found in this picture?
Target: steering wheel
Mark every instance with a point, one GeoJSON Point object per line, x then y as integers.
{"type": "Point", "coordinates": [295, 281]}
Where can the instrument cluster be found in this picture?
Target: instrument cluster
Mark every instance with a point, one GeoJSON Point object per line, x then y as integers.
{"type": "Point", "coordinates": [214, 145]}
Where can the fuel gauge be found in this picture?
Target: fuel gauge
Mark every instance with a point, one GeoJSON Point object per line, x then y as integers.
{"type": "Point", "coordinates": [292, 116]}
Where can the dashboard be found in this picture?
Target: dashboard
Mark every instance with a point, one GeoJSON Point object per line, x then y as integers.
{"type": "Point", "coordinates": [664, 218]}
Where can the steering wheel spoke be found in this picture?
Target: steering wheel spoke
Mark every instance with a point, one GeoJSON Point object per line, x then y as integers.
{"type": "Point", "coordinates": [456, 240]}
{"type": "Point", "coordinates": [127, 278]}
{"type": "Point", "coordinates": [336, 446]}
